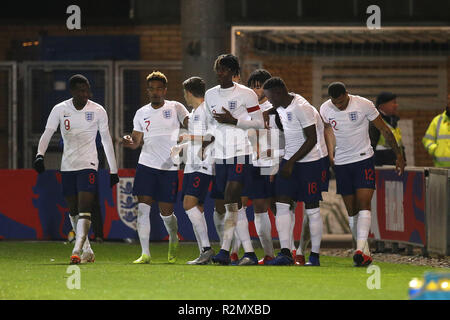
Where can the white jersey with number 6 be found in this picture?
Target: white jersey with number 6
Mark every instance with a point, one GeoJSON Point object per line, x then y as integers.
{"type": "Point", "coordinates": [160, 128]}
{"type": "Point", "coordinates": [351, 128]}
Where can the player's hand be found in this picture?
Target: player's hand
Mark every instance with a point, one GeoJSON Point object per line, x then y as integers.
{"type": "Point", "coordinates": [113, 179]}
{"type": "Point", "coordinates": [38, 164]}
{"type": "Point", "coordinates": [287, 169]}
{"type": "Point", "coordinates": [400, 164]}
{"type": "Point", "coordinates": [127, 140]}
{"type": "Point", "coordinates": [225, 117]}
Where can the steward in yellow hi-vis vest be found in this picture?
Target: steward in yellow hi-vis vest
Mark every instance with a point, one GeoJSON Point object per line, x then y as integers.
{"type": "Point", "coordinates": [437, 138]}
{"type": "Point", "coordinates": [387, 105]}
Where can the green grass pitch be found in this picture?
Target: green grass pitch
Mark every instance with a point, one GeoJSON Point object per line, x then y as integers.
{"type": "Point", "coordinates": [39, 270]}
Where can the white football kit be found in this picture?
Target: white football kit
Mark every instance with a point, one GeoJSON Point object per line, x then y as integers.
{"type": "Point", "coordinates": [267, 139]}
{"type": "Point", "coordinates": [294, 118]}
{"type": "Point", "coordinates": [321, 144]}
{"type": "Point", "coordinates": [351, 128]}
{"type": "Point", "coordinates": [79, 131]}
{"type": "Point", "coordinates": [160, 128]}
{"type": "Point", "coordinates": [231, 140]}
{"type": "Point", "coordinates": [198, 126]}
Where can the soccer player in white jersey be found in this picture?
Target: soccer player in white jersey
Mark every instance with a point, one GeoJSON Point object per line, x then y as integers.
{"type": "Point", "coordinates": [347, 120]}
{"type": "Point", "coordinates": [157, 125]}
{"type": "Point", "coordinates": [198, 169]}
{"type": "Point", "coordinates": [265, 160]}
{"type": "Point", "coordinates": [234, 109]}
{"type": "Point", "coordinates": [79, 120]}
{"type": "Point", "coordinates": [321, 145]}
{"type": "Point", "coordinates": [299, 176]}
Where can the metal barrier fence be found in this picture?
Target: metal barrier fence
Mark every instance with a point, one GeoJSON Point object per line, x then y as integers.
{"type": "Point", "coordinates": [438, 210]}
{"type": "Point", "coordinates": [8, 107]}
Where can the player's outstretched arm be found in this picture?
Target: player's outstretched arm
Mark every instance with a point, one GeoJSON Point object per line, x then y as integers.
{"type": "Point", "coordinates": [390, 139]}
{"type": "Point", "coordinates": [44, 141]}
{"type": "Point", "coordinates": [110, 157]}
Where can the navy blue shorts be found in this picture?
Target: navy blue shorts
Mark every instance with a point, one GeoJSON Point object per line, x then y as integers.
{"type": "Point", "coordinates": [325, 176]}
{"type": "Point", "coordinates": [161, 185]}
{"type": "Point", "coordinates": [78, 181]}
{"type": "Point", "coordinates": [196, 184]}
{"type": "Point", "coordinates": [260, 186]}
{"type": "Point", "coordinates": [236, 169]}
{"type": "Point", "coordinates": [304, 184]}
{"type": "Point", "coordinates": [356, 175]}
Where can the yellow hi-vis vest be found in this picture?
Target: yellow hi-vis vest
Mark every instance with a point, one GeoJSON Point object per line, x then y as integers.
{"type": "Point", "coordinates": [437, 140]}
{"type": "Point", "coordinates": [383, 145]}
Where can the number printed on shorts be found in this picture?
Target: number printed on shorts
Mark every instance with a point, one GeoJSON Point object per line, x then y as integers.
{"type": "Point", "coordinates": [91, 178]}
{"type": "Point", "coordinates": [369, 174]}
{"type": "Point", "coordinates": [312, 188]}
{"type": "Point", "coordinates": [196, 183]}
{"type": "Point", "coordinates": [67, 124]}
{"type": "Point", "coordinates": [239, 168]}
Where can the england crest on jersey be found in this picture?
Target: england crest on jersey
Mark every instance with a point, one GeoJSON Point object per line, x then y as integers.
{"type": "Point", "coordinates": [232, 105]}
{"type": "Point", "coordinates": [89, 116]}
{"type": "Point", "coordinates": [127, 205]}
{"type": "Point", "coordinates": [167, 114]}
{"type": "Point", "coordinates": [353, 116]}
{"type": "Point", "coordinates": [197, 117]}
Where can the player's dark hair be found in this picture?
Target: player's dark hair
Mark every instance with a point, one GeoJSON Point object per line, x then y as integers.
{"type": "Point", "coordinates": [274, 82]}
{"type": "Point", "coordinates": [159, 76]}
{"type": "Point", "coordinates": [258, 76]}
{"type": "Point", "coordinates": [196, 86]}
{"type": "Point", "coordinates": [230, 61]}
{"type": "Point", "coordinates": [336, 89]}
{"type": "Point", "coordinates": [77, 78]}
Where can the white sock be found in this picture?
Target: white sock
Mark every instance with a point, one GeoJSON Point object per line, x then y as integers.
{"type": "Point", "coordinates": [303, 238]}
{"type": "Point", "coordinates": [283, 223]}
{"type": "Point", "coordinates": [83, 226]}
{"type": "Point", "coordinates": [229, 225]}
{"type": "Point", "coordinates": [363, 228]}
{"type": "Point", "coordinates": [219, 221]}
{"type": "Point", "coordinates": [143, 227]}
{"type": "Point", "coordinates": [315, 228]}
{"type": "Point", "coordinates": [197, 217]}
{"type": "Point", "coordinates": [353, 223]}
{"type": "Point", "coordinates": [197, 238]}
{"type": "Point", "coordinates": [242, 231]}
{"type": "Point", "coordinates": [292, 246]}
{"type": "Point", "coordinates": [264, 230]}
{"type": "Point", "coordinates": [236, 244]}
{"type": "Point", "coordinates": [171, 224]}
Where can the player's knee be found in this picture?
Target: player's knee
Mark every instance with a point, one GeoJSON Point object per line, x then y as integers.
{"type": "Point", "coordinates": [189, 203]}
{"type": "Point", "coordinates": [260, 205]}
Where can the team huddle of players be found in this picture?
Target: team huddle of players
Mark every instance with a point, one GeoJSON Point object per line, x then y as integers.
{"type": "Point", "coordinates": [257, 142]}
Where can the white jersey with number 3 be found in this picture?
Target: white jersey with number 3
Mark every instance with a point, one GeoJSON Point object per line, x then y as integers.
{"type": "Point", "coordinates": [351, 128]}
{"type": "Point", "coordinates": [160, 128]}
{"type": "Point", "coordinates": [78, 130]}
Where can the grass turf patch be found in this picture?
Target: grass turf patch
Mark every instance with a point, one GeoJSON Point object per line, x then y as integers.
{"type": "Point", "coordinates": [39, 270]}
